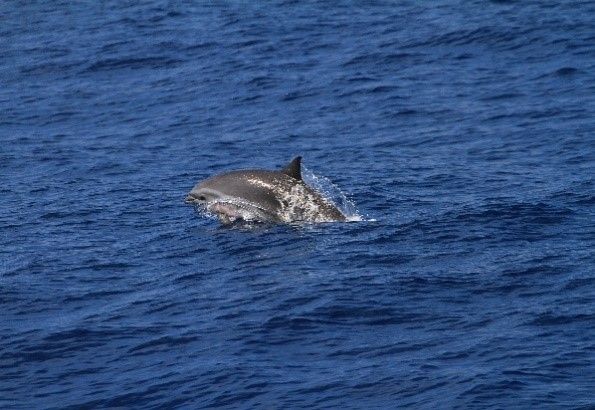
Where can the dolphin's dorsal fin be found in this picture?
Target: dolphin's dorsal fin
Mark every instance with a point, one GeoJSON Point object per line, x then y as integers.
{"type": "Point", "coordinates": [294, 168]}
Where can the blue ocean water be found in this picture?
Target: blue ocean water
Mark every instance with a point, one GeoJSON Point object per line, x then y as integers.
{"type": "Point", "coordinates": [464, 132]}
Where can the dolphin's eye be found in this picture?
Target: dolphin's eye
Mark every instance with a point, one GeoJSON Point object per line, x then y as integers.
{"type": "Point", "coordinates": [202, 198]}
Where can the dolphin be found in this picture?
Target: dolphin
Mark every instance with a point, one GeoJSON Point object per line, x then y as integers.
{"type": "Point", "coordinates": [263, 196]}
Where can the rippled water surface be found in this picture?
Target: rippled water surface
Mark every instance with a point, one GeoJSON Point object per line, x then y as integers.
{"type": "Point", "coordinates": [464, 132]}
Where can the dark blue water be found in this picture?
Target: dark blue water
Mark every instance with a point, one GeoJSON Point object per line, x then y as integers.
{"type": "Point", "coordinates": [463, 131]}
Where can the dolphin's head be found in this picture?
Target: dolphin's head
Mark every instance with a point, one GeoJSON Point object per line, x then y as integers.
{"type": "Point", "coordinates": [228, 197]}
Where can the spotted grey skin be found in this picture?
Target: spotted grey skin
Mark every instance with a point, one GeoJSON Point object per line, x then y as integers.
{"type": "Point", "coordinates": [263, 195]}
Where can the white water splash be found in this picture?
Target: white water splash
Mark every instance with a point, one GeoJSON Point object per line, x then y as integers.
{"type": "Point", "coordinates": [332, 193]}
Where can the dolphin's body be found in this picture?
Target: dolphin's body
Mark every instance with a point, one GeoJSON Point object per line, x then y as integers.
{"type": "Point", "coordinates": [265, 196]}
